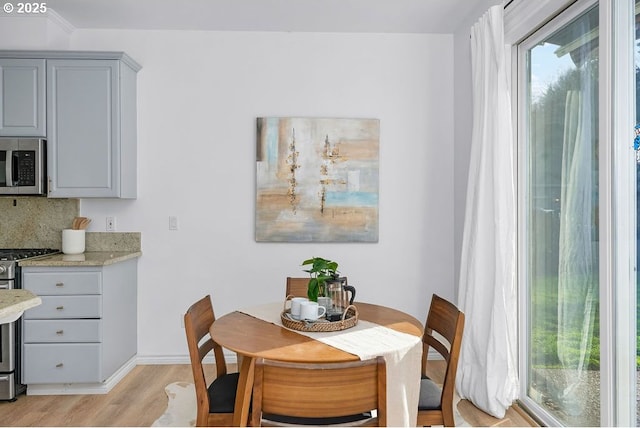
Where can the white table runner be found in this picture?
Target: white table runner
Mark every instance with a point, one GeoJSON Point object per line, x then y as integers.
{"type": "Point", "coordinates": [402, 353]}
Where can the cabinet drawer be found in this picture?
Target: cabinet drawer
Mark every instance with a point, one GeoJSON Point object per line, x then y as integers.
{"type": "Point", "coordinates": [38, 331]}
{"type": "Point", "coordinates": [66, 307]}
{"type": "Point", "coordinates": [61, 363]}
{"type": "Point", "coordinates": [63, 283]}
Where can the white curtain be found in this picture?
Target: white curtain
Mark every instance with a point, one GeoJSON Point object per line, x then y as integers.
{"type": "Point", "coordinates": [487, 370]}
{"type": "Point", "coordinates": [577, 259]}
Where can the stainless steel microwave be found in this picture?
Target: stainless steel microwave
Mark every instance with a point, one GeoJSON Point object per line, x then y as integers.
{"type": "Point", "coordinates": [23, 163]}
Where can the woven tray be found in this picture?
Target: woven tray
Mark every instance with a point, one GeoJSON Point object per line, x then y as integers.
{"type": "Point", "coordinates": [349, 319]}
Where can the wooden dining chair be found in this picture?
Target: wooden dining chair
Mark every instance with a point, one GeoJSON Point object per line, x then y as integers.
{"type": "Point", "coordinates": [296, 287]}
{"type": "Point", "coordinates": [215, 401]}
{"type": "Point", "coordinates": [435, 406]}
{"type": "Point", "coordinates": [319, 394]}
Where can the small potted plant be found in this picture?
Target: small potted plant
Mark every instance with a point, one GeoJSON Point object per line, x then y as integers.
{"type": "Point", "coordinates": [321, 271]}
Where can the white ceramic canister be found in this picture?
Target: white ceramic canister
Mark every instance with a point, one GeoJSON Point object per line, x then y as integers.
{"type": "Point", "coordinates": [73, 241]}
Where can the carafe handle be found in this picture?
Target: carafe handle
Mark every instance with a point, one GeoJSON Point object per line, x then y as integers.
{"type": "Point", "coordinates": [353, 292]}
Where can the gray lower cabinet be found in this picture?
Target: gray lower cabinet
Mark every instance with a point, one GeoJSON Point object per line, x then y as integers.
{"type": "Point", "coordinates": [22, 97]}
{"type": "Point", "coordinates": [86, 327]}
{"type": "Point", "coordinates": [91, 128]}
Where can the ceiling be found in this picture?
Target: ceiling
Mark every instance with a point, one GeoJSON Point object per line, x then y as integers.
{"type": "Point", "coordinates": [359, 16]}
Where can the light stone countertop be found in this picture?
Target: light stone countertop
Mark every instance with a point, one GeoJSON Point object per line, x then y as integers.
{"type": "Point", "coordinates": [14, 302]}
{"type": "Point", "coordinates": [88, 258]}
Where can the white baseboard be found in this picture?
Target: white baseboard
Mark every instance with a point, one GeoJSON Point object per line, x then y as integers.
{"type": "Point", "coordinates": [230, 358]}
{"type": "Point", "coordinates": [83, 388]}
{"type": "Point", "coordinates": [163, 359]}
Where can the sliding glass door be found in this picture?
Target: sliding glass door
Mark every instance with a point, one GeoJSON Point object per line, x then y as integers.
{"type": "Point", "coordinates": [637, 148]}
{"type": "Point", "coordinates": [560, 112]}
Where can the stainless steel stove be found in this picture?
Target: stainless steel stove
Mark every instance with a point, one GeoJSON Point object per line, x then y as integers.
{"type": "Point", "coordinates": [25, 253]}
{"type": "Point", "coordinates": [10, 334]}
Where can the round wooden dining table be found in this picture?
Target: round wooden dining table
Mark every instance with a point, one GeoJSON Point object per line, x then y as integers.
{"type": "Point", "coordinates": [251, 338]}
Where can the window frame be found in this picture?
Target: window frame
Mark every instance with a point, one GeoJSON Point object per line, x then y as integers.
{"type": "Point", "coordinates": [617, 204]}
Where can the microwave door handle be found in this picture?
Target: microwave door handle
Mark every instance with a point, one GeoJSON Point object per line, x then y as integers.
{"type": "Point", "coordinates": [9, 168]}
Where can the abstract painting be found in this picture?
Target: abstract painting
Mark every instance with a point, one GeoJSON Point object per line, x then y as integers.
{"type": "Point", "coordinates": [317, 179]}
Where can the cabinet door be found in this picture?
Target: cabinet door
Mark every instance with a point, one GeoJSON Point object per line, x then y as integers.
{"type": "Point", "coordinates": [22, 97]}
{"type": "Point", "coordinates": [82, 101]}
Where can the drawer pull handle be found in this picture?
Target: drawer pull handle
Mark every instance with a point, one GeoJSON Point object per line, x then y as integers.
{"type": "Point", "coordinates": [60, 284]}
{"type": "Point", "coordinates": [59, 308]}
{"type": "Point", "coordinates": [60, 332]}
{"type": "Point", "coordinates": [59, 365]}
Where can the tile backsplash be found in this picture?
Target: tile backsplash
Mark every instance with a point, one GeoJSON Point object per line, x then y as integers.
{"type": "Point", "coordinates": [33, 222]}
{"type": "Point", "coordinates": [37, 222]}
{"type": "Point", "coordinates": [113, 241]}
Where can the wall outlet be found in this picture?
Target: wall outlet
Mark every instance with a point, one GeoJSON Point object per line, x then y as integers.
{"type": "Point", "coordinates": [111, 224]}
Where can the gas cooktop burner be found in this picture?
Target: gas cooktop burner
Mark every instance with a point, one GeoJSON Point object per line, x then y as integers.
{"type": "Point", "coordinates": [24, 253]}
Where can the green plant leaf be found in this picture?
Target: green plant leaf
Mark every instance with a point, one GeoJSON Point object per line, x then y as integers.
{"type": "Point", "coordinates": [313, 288]}
{"type": "Point", "coordinates": [320, 271]}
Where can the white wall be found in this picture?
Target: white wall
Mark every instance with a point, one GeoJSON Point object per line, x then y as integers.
{"type": "Point", "coordinates": [199, 94]}
{"type": "Point", "coordinates": [24, 31]}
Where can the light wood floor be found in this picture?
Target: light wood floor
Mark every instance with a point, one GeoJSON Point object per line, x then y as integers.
{"type": "Point", "coordinates": [139, 399]}
{"type": "Point", "coordinates": [514, 417]}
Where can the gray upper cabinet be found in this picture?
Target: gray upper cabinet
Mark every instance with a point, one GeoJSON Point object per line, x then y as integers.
{"type": "Point", "coordinates": [84, 104]}
{"type": "Point", "coordinates": [91, 128]}
{"type": "Point", "coordinates": [22, 97]}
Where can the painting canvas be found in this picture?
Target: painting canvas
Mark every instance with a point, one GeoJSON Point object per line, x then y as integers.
{"type": "Point", "coordinates": [317, 180]}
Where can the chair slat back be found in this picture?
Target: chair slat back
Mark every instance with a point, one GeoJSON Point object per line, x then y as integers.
{"type": "Point", "coordinates": [319, 390]}
{"type": "Point", "coordinates": [443, 318]}
{"type": "Point", "coordinates": [443, 332]}
{"type": "Point", "coordinates": [297, 287]}
{"type": "Point", "coordinates": [197, 321]}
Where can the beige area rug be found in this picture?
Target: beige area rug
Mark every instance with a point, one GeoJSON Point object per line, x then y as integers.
{"type": "Point", "coordinates": [181, 408]}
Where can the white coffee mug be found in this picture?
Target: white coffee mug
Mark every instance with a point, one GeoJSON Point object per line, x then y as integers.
{"type": "Point", "coordinates": [311, 311]}
{"type": "Point", "coordinates": [295, 306]}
